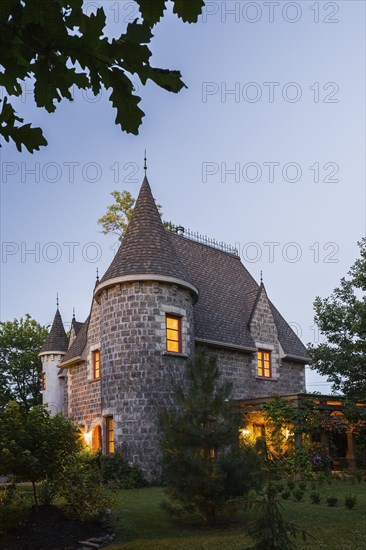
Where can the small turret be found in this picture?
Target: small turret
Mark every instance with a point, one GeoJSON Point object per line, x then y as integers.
{"type": "Point", "coordinates": [51, 354]}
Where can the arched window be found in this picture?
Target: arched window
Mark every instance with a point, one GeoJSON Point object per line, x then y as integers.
{"type": "Point", "coordinates": [97, 438]}
{"type": "Point", "coordinates": [109, 435]}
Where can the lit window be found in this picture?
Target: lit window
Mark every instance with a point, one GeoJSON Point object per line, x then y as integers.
{"type": "Point", "coordinates": [43, 380]}
{"type": "Point", "coordinates": [96, 363]}
{"type": "Point", "coordinates": [97, 438]}
{"type": "Point", "coordinates": [208, 452]}
{"type": "Point", "coordinates": [264, 364]}
{"type": "Point", "coordinates": [213, 452]}
{"type": "Point", "coordinates": [173, 334]}
{"type": "Point", "coordinates": [109, 424]}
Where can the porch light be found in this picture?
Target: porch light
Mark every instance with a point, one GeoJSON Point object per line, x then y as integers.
{"type": "Point", "coordinates": [88, 438]}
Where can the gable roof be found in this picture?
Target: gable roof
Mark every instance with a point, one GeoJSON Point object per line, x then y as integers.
{"type": "Point", "coordinates": [221, 313]}
{"type": "Point", "coordinates": [290, 342]}
{"type": "Point", "coordinates": [145, 248]}
{"type": "Point", "coordinates": [77, 347]}
{"type": "Point", "coordinates": [57, 340]}
{"type": "Point", "coordinates": [253, 304]}
{"type": "Point", "coordinates": [76, 325]}
{"type": "Point", "coordinates": [227, 296]}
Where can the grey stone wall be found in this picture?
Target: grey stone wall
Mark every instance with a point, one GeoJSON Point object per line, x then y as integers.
{"type": "Point", "coordinates": [138, 374]}
{"type": "Point", "coordinates": [264, 332]}
{"type": "Point", "coordinates": [84, 394]}
{"type": "Point", "coordinates": [241, 370]}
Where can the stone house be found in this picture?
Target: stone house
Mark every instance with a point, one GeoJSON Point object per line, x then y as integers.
{"type": "Point", "coordinates": [163, 295]}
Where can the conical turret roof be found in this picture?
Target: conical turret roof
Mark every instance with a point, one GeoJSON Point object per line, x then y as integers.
{"type": "Point", "coordinates": [146, 248]}
{"type": "Point", "coordinates": [57, 340]}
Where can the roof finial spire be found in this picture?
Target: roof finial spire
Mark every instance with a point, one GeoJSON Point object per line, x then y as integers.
{"type": "Point", "coordinates": [145, 165]}
{"type": "Point", "coordinates": [57, 303]}
{"type": "Point", "coordinates": [261, 277]}
{"type": "Point", "coordinates": [73, 314]}
{"type": "Point", "coordinates": [97, 281]}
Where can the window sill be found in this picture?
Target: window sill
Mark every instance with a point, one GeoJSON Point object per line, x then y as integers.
{"type": "Point", "coordinates": [270, 378]}
{"type": "Point", "coordinates": [175, 354]}
{"type": "Point", "coordinates": [91, 380]}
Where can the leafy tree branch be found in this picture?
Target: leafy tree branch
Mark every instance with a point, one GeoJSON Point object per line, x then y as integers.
{"type": "Point", "coordinates": [57, 45]}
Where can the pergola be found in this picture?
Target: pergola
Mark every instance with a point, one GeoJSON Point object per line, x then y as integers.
{"type": "Point", "coordinates": [326, 405]}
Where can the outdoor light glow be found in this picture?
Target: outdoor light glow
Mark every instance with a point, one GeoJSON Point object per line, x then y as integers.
{"type": "Point", "coordinates": [88, 438]}
{"type": "Point", "coordinates": [245, 432]}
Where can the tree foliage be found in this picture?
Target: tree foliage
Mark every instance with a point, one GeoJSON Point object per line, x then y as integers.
{"type": "Point", "coordinates": [20, 366]}
{"type": "Point", "coordinates": [56, 45]}
{"type": "Point", "coordinates": [35, 446]}
{"type": "Point", "coordinates": [203, 465]}
{"type": "Point", "coordinates": [115, 221]}
{"type": "Point", "coordinates": [81, 487]}
{"type": "Point", "coordinates": [268, 527]}
{"type": "Point", "coordinates": [341, 319]}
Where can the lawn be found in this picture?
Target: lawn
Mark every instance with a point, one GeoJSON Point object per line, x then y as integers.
{"type": "Point", "coordinates": [141, 524]}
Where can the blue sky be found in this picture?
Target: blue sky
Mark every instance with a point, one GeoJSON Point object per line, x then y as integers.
{"type": "Point", "coordinates": [264, 150]}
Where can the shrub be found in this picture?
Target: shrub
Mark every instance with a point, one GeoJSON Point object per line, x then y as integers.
{"type": "Point", "coordinates": [302, 486]}
{"type": "Point", "coordinates": [35, 445]}
{"type": "Point", "coordinates": [298, 494]}
{"type": "Point", "coordinates": [315, 497]}
{"type": "Point", "coordinates": [321, 479]}
{"type": "Point", "coordinates": [47, 491]}
{"type": "Point", "coordinates": [84, 494]}
{"type": "Point", "coordinates": [116, 470]}
{"type": "Point", "coordinates": [332, 501]}
{"type": "Point", "coordinates": [268, 527]}
{"type": "Point", "coordinates": [291, 485]}
{"type": "Point", "coordinates": [359, 476]}
{"type": "Point", "coordinates": [286, 494]}
{"type": "Point", "coordinates": [350, 501]}
{"type": "Point", "coordinates": [14, 509]}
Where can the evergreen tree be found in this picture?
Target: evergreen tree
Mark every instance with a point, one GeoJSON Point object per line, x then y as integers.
{"type": "Point", "coordinates": [203, 464]}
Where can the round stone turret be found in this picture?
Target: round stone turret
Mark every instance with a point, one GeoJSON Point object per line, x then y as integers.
{"type": "Point", "coordinates": [144, 289]}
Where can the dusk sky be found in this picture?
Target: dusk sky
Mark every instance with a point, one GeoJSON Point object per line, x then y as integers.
{"type": "Point", "coordinates": [264, 150]}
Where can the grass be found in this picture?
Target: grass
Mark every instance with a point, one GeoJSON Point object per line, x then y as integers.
{"type": "Point", "coordinates": [140, 523]}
